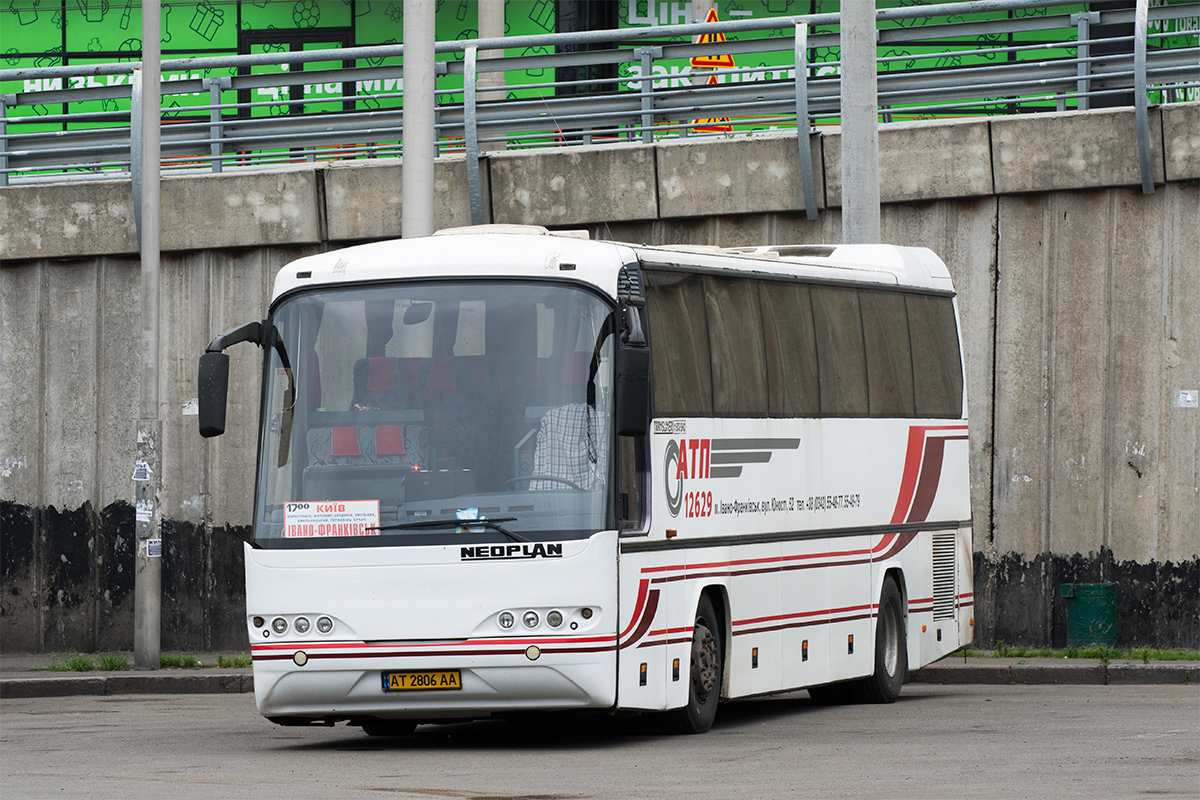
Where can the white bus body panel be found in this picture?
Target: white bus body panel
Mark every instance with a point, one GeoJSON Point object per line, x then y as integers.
{"type": "Point", "coordinates": [811, 502]}
{"type": "Point", "coordinates": [412, 608]}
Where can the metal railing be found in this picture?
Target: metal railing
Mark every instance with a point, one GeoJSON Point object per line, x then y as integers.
{"type": "Point", "coordinates": [951, 60]}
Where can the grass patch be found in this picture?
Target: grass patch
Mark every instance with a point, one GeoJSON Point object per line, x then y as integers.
{"type": "Point", "coordinates": [1102, 653]}
{"type": "Point", "coordinates": [71, 663]}
{"type": "Point", "coordinates": [112, 662]}
{"type": "Point", "coordinates": [78, 662]}
{"type": "Point", "coordinates": [233, 662]}
{"type": "Point", "coordinates": [178, 661]}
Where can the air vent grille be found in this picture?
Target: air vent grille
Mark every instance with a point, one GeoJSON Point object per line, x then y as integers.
{"type": "Point", "coordinates": [629, 285]}
{"type": "Point", "coordinates": [944, 549]}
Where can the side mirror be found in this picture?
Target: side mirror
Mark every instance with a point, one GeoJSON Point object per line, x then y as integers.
{"type": "Point", "coordinates": [632, 396]}
{"type": "Point", "coordinates": [212, 383]}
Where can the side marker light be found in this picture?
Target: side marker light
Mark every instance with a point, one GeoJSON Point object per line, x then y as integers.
{"type": "Point", "coordinates": [642, 675]}
{"type": "Point", "coordinates": [301, 658]}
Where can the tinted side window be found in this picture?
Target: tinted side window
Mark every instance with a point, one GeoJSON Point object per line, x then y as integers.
{"type": "Point", "coordinates": [841, 359]}
{"type": "Point", "coordinates": [735, 338]}
{"type": "Point", "coordinates": [889, 363]}
{"type": "Point", "coordinates": [791, 350]}
{"type": "Point", "coordinates": [679, 357]}
{"type": "Point", "coordinates": [937, 364]}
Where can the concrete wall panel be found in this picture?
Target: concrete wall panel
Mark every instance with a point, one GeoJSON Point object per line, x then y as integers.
{"type": "Point", "coordinates": [65, 220]}
{"type": "Point", "coordinates": [363, 199]}
{"type": "Point", "coordinates": [1179, 538]}
{"type": "Point", "coordinates": [1078, 266]}
{"type": "Point", "coordinates": [22, 296]}
{"type": "Point", "coordinates": [1133, 435]}
{"type": "Point", "coordinates": [119, 342]}
{"type": "Point", "coordinates": [963, 233]}
{"type": "Point", "coordinates": [249, 210]}
{"type": "Point", "coordinates": [1073, 150]}
{"type": "Point", "coordinates": [700, 178]}
{"type": "Point", "coordinates": [576, 186]}
{"type": "Point", "coordinates": [185, 285]}
{"type": "Point", "coordinates": [1181, 141]}
{"type": "Point", "coordinates": [921, 161]}
{"type": "Point", "coordinates": [1022, 343]}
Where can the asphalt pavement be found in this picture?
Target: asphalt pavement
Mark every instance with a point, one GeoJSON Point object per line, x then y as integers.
{"type": "Point", "coordinates": [23, 675]}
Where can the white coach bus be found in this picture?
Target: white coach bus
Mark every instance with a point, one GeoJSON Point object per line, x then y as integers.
{"type": "Point", "coordinates": [503, 469]}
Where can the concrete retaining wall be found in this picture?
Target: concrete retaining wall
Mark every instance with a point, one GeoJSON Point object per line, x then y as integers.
{"type": "Point", "coordinates": [1078, 296]}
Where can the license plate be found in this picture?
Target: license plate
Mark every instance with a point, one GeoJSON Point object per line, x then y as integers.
{"type": "Point", "coordinates": [428, 680]}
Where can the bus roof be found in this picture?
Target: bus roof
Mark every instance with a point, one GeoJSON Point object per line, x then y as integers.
{"type": "Point", "coordinates": [505, 251]}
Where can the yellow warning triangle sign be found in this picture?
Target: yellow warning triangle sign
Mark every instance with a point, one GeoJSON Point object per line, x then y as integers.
{"type": "Point", "coordinates": [712, 124]}
{"type": "Point", "coordinates": [725, 61]}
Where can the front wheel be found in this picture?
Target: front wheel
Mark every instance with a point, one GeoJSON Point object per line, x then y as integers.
{"type": "Point", "coordinates": [705, 674]}
{"type": "Point", "coordinates": [891, 650]}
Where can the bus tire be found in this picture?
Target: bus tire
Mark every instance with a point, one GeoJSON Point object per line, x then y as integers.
{"type": "Point", "coordinates": [891, 649]}
{"type": "Point", "coordinates": [704, 675]}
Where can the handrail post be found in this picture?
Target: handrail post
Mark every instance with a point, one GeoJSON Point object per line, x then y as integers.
{"type": "Point", "coordinates": [1140, 101]}
{"type": "Point", "coordinates": [803, 127]}
{"type": "Point", "coordinates": [3, 140]}
{"type": "Point", "coordinates": [216, 126]}
{"type": "Point", "coordinates": [647, 89]}
{"type": "Point", "coordinates": [1083, 52]}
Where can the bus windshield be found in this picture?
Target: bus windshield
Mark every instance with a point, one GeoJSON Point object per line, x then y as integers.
{"type": "Point", "coordinates": [451, 412]}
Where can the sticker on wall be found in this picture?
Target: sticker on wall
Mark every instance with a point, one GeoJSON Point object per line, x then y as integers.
{"type": "Point", "coordinates": [1187, 398]}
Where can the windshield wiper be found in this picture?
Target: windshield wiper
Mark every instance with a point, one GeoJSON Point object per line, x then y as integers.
{"type": "Point", "coordinates": [425, 522]}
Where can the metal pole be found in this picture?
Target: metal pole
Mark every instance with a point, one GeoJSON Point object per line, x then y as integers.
{"type": "Point", "coordinates": [860, 125]}
{"type": "Point", "coordinates": [1140, 101]}
{"type": "Point", "coordinates": [491, 26]}
{"type": "Point", "coordinates": [147, 474]}
{"type": "Point", "coordinates": [803, 129]}
{"type": "Point", "coordinates": [416, 200]}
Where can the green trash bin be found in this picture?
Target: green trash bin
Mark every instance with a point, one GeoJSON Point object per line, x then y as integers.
{"type": "Point", "coordinates": [1091, 613]}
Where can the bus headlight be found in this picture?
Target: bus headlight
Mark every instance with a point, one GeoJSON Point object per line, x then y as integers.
{"type": "Point", "coordinates": [530, 619]}
{"type": "Point", "coordinates": [279, 625]}
{"type": "Point", "coordinates": [324, 624]}
{"type": "Point", "coordinates": [302, 624]}
{"type": "Point", "coordinates": [554, 619]}
{"type": "Point", "coordinates": [506, 619]}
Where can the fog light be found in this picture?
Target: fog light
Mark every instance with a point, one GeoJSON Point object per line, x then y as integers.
{"type": "Point", "coordinates": [506, 619]}
{"type": "Point", "coordinates": [324, 624]}
{"type": "Point", "coordinates": [530, 619]}
{"type": "Point", "coordinates": [301, 624]}
{"type": "Point", "coordinates": [586, 613]}
{"type": "Point", "coordinates": [279, 625]}
{"type": "Point", "coordinates": [554, 618]}
{"type": "Point", "coordinates": [259, 622]}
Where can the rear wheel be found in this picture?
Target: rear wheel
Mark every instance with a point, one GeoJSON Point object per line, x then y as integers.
{"type": "Point", "coordinates": [891, 650]}
{"type": "Point", "coordinates": [705, 673]}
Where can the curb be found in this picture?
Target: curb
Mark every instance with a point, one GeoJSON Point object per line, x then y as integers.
{"type": "Point", "coordinates": [1043, 675]}
{"type": "Point", "coordinates": [97, 685]}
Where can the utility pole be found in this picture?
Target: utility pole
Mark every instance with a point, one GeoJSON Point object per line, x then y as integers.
{"type": "Point", "coordinates": [147, 473]}
{"type": "Point", "coordinates": [416, 191]}
{"type": "Point", "coordinates": [860, 125]}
